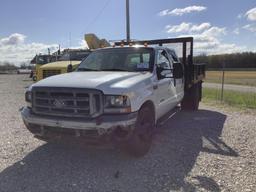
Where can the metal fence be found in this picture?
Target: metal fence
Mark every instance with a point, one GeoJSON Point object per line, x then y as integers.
{"type": "Point", "coordinates": [236, 87]}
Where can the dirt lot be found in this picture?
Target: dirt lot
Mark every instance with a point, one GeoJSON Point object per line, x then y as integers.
{"type": "Point", "coordinates": [213, 149]}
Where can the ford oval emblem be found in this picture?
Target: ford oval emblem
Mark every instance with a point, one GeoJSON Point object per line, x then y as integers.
{"type": "Point", "coordinates": [59, 103]}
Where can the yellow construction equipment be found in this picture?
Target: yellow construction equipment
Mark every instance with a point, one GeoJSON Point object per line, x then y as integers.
{"type": "Point", "coordinates": [94, 42]}
{"type": "Point", "coordinates": [71, 58]}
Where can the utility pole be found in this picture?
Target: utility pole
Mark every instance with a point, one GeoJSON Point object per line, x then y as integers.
{"type": "Point", "coordinates": [128, 21]}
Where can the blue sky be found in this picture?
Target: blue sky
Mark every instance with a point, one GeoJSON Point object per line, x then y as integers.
{"type": "Point", "coordinates": [218, 26]}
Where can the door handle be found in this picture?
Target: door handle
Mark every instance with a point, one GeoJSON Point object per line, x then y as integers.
{"type": "Point", "coordinates": [155, 86]}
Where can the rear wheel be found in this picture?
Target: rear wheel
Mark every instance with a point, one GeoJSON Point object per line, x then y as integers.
{"type": "Point", "coordinates": [141, 139]}
{"type": "Point", "coordinates": [192, 98]}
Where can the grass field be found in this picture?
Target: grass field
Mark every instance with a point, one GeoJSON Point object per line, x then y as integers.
{"type": "Point", "coordinates": [234, 98]}
{"type": "Point", "coordinates": [232, 77]}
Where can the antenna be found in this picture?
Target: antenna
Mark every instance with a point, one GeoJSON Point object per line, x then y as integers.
{"type": "Point", "coordinates": [69, 48]}
{"type": "Point", "coordinates": [57, 53]}
{"type": "Point", "coordinates": [59, 50]}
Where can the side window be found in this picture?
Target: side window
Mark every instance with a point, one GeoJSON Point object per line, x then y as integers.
{"type": "Point", "coordinates": [177, 65]}
{"type": "Point", "coordinates": [162, 59]}
{"type": "Point", "coordinates": [165, 69]}
{"type": "Point", "coordinates": [173, 55]}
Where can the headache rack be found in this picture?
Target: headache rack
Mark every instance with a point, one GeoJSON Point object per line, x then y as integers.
{"type": "Point", "coordinates": [194, 73]}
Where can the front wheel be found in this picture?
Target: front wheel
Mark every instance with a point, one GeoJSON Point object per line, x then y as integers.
{"type": "Point", "coordinates": [140, 141]}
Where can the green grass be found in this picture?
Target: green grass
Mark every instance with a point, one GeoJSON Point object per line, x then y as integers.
{"type": "Point", "coordinates": [232, 77]}
{"type": "Point", "coordinates": [233, 98]}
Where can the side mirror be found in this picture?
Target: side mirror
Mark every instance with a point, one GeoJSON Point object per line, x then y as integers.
{"type": "Point", "coordinates": [177, 70]}
{"type": "Point", "coordinates": [162, 72]}
{"type": "Point", "coordinates": [69, 68]}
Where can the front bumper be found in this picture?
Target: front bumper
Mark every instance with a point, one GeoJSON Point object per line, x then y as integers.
{"type": "Point", "coordinates": [104, 124]}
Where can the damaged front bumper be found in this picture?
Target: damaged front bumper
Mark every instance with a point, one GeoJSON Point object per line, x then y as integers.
{"type": "Point", "coordinates": [119, 125]}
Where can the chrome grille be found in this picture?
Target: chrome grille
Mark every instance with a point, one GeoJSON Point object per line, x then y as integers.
{"type": "Point", "coordinates": [48, 73]}
{"type": "Point", "coordinates": [67, 102]}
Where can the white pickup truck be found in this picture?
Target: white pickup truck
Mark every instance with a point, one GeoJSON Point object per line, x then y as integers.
{"type": "Point", "coordinates": [117, 95]}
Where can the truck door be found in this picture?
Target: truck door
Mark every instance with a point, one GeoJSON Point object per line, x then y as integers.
{"type": "Point", "coordinates": [166, 92]}
{"type": "Point", "coordinates": [178, 81]}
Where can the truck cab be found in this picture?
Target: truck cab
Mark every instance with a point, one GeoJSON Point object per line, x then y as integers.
{"type": "Point", "coordinates": [40, 60]}
{"type": "Point", "coordinates": [116, 95]}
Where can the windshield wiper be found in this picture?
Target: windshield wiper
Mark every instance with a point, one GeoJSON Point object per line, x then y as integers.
{"type": "Point", "coordinates": [86, 69]}
{"type": "Point", "coordinates": [114, 69]}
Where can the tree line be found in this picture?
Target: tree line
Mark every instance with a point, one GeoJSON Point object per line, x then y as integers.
{"type": "Point", "coordinates": [6, 66]}
{"type": "Point", "coordinates": [235, 60]}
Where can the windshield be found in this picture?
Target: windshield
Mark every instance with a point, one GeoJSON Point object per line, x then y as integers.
{"type": "Point", "coordinates": [43, 59]}
{"type": "Point", "coordinates": [123, 59]}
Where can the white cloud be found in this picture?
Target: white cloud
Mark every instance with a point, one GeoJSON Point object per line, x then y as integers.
{"type": "Point", "coordinates": [13, 39]}
{"type": "Point", "coordinates": [236, 31]}
{"type": "Point", "coordinates": [14, 49]}
{"type": "Point", "coordinates": [212, 45]}
{"type": "Point", "coordinates": [83, 44]}
{"type": "Point", "coordinates": [251, 14]}
{"type": "Point", "coordinates": [201, 27]}
{"type": "Point", "coordinates": [189, 27]}
{"type": "Point", "coordinates": [182, 11]}
{"type": "Point", "coordinates": [215, 31]}
{"type": "Point", "coordinates": [183, 27]}
{"type": "Point", "coordinates": [250, 27]}
{"type": "Point", "coordinates": [207, 38]}
{"type": "Point", "coordinates": [164, 12]}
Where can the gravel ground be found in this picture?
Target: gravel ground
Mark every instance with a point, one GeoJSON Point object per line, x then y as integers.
{"type": "Point", "coordinates": [213, 149]}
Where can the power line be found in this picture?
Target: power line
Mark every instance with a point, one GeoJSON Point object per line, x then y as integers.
{"type": "Point", "coordinates": [99, 14]}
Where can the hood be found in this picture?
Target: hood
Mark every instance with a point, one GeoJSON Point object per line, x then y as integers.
{"type": "Point", "coordinates": [108, 82]}
{"type": "Point", "coordinates": [59, 64]}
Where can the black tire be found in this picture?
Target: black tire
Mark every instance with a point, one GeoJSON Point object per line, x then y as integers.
{"type": "Point", "coordinates": [34, 78]}
{"type": "Point", "coordinates": [192, 98]}
{"type": "Point", "coordinates": [140, 141]}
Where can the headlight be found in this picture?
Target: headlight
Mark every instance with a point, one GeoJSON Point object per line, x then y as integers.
{"type": "Point", "coordinates": [117, 104]}
{"type": "Point", "coordinates": [28, 98]}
